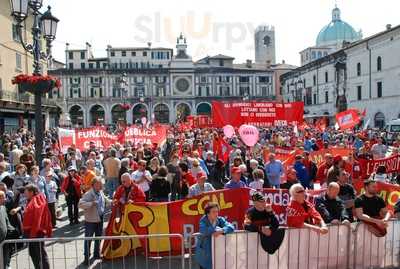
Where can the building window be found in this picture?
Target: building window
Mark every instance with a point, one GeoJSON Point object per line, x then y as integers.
{"type": "Point", "coordinates": [90, 65]}
{"type": "Point", "coordinates": [358, 69]}
{"type": "Point", "coordinates": [123, 53]}
{"type": "Point", "coordinates": [104, 65]}
{"type": "Point", "coordinates": [133, 53]}
{"type": "Point", "coordinates": [144, 53]}
{"type": "Point", "coordinates": [379, 64]}
{"type": "Point", "coordinates": [112, 53]}
{"type": "Point", "coordinates": [313, 56]}
{"type": "Point", "coordinates": [326, 77]}
{"type": "Point", "coordinates": [314, 98]}
{"type": "Point", "coordinates": [82, 55]}
{"type": "Point", "coordinates": [221, 62]}
{"type": "Point", "coordinates": [326, 97]}
{"type": "Point", "coordinates": [70, 55]}
{"type": "Point", "coordinates": [379, 120]}
{"type": "Point", "coordinates": [82, 65]}
{"type": "Point", "coordinates": [243, 79]}
{"type": "Point", "coordinates": [16, 33]}
{"type": "Point", "coordinates": [264, 79]}
{"type": "Point", "coordinates": [264, 91]}
{"type": "Point", "coordinates": [379, 89]}
{"type": "Point", "coordinates": [18, 61]}
{"type": "Point", "coordinates": [359, 93]}
{"type": "Point", "coordinates": [71, 66]}
{"type": "Point", "coordinates": [244, 91]}
{"type": "Point", "coordinates": [314, 80]}
{"type": "Point", "coordinates": [319, 54]}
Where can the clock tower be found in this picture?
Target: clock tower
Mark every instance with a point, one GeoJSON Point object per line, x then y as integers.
{"type": "Point", "coordinates": [265, 44]}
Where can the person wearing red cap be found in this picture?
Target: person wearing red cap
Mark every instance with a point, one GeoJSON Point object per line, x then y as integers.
{"type": "Point", "coordinates": [334, 171]}
{"type": "Point", "coordinates": [201, 185]}
{"type": "Point", "coordinates": [235, 182]}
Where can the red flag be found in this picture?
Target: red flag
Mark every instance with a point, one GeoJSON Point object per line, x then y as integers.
{"type": "Point", "coordinates": [364, 113]}
{"type": "Point", "coordinates": [348, 119]}
{"type": "Point", "coordinates": [320, 124]}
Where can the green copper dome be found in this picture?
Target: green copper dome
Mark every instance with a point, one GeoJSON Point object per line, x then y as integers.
{"type": "Point", "coordinates": [337, 31]}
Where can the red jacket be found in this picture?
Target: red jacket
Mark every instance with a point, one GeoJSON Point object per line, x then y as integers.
{"type": "Point", "coordinates": [37, 218]}
{"type": "Point", "coordinates": [297, 215]}
{"type": "Point", "coordinates": [322, 172]}
{"type": "Point", "coordinates": [136, 194]}
{"type": "Point", "coordinates": [189, 178]}
{"type": "Point", "coordinates": [77, 184]}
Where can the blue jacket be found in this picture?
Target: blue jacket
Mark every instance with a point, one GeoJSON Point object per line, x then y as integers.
{"type": "Point", "coordinates": [203, 249]}
{"type": "Point", "coordinates": [302, 174]}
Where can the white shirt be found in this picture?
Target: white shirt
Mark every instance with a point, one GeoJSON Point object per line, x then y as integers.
{"type": "Point", "coordinates": [137, 175]}
{"type": "Point", "coordinates": [257, 184]}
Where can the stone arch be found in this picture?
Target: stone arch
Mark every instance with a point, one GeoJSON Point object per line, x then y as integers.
{"type": "Point", "coordinates": [379, 120]}
{"type": "Point", "coordinates": [118, 114]}
{"type": "Point", "coordinates": [183, 110]}
{"type": "Point", "coordinates": [139, 110]}
{"type": "Point", "coordinates": [77, 115]}
{"type": "Point", "coordinates": [203, 108]}
{"type": "Point", "coordinates": [162, 113]}
{"type": "Point", "coordinates": [97, 114]}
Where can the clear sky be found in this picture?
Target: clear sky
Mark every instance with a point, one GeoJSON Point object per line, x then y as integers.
{"type": "Point", "coordinates": [211, 26]}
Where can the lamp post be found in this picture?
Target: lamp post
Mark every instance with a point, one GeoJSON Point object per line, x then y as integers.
{"type": "Point", "coordinates": [44, 26]}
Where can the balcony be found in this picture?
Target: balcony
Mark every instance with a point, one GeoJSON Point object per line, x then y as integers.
{"type": "Point", "coordinates": [25, 98]}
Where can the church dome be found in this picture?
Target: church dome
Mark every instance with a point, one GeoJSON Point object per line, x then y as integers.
{"type": "Point", "coordinates": [337, 31]}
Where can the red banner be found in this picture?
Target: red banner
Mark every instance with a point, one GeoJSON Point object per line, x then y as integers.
{"type": "Point", "coordinates": [259, 114]}
{"type": "Point", "coordinates": [182, 217]}
{"type": "Point", "coordinates": [103, 139]}
{"type": "Point", "coordinates": [348, 119]}
{"type": "Point", "coordinates": [368, 167]}
{"type": "Point", "coordinates": [389, 192]}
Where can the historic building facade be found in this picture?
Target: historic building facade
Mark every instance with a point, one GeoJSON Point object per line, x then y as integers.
{"type": "Point", "coordinates": [154, 82]}
{"type": "Point", "coordinates": [362, 74]}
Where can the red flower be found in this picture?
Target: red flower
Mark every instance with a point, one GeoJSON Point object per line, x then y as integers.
{"type": "Point", "coordinates": [33, 79]}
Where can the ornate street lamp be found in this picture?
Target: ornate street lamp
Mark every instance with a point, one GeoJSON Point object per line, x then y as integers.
{"type": "Point", "coordinates": [44, 26]}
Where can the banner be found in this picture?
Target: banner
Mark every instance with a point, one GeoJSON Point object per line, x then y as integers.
{"type": "Point", "coordinates": [182, 217]}
{"type": "Point", "coordinates": [389, 192]}
{"type": "Point", "coordinates": [260, 114]}
{"type": "Point", "coordinates": [368, 167]}
{"type": "Point", "coordinates": [103, 139]}
{"type": "Point", "coordinates": [348, 119]}
{"type": "Point", "coordinates": [156, 135]}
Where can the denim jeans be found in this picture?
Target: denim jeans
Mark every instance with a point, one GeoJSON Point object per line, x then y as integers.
{"type": "Point", "coordinates": [96, 229]}
{"type": "Point", "coordinates": [111, 186]}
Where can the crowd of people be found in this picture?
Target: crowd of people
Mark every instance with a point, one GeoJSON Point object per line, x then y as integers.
{"type": "Point", "coordinates": [191, 162]}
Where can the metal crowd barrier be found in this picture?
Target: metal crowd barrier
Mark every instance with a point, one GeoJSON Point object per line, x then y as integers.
{"type": "Point", "coordinates": [67, 253]}
{"type": "Point", "coordinates": [345, 246]}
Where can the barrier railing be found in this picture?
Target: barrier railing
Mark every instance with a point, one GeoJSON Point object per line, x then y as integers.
{"type": "Point", "coordinates": [69, 253]}
{"type": "Point", "coordinates": [345, 246]}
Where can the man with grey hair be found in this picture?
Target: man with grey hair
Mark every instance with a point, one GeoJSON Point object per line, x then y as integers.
{"type": "Point", "coordinates": [111, 170]}
{"type": "Point", "coordinates": [331, 207]}
{"type": "Point", "coordinates": [94, 203]}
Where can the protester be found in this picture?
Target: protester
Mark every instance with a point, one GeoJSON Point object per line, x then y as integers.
{"type": "Point", "coordinates": [331, 207]}
{"type": "Point", "coordinates": [143, 178]}
{"type": "Point", "coordinates": [93, 203]}
{"type": "Point", "coordinates": [38, 180]}
{"type": "Point", "coordinates": [301, 213]}
{"type": "Point", "coordinates": [218, 176]}
{"type": "Point", "coordinates": [51, 188]}
{"type": "Point", "coordinates": [379, 150]}
{"type": "Point", "coordinates": [261, 218]}
{"type": "Point", "coordinates": [301, 172]}
{"type": "Point", "coordinates": [258, 180]}
{"type": "Point", "coordinates": [37, 224]}
{"type": "Point", "coordinates": [20, 177]}
{"type": "Point", "coordinates": [87, 176]}
{"type": "Point", "coordinates": [310, 166]}
{"type": "Point", "coordinates": [210, 225]}
{"type": "Point", "coordinates": [127, 193]}
{"type": "Point", "coordinates": [235, 182]}
{"type": "Point", "coordinates": [334, 170]}
{"type": "Point", "coordinates": [5, 230]}
{"type": "Point", "coordinates": [274, 171]}
{"type": "Point", "coordinates": [160, 187]}
{"type": "Point", "coordinates": [111, 166]}
{"type": "Point", "coordinates": [291, 178]}
{"type": "Point", "coordinates": [347, 193]}
{"type": "Point", "coordinates": [27, 159]}
{"type": "Point", "coordinates": [371, 209]}
{"type": "Point", "coordinates": [380, 174]}
{"type": "Point", "coordinates": [71, 187]}
{"type": "Point", "coordinates": [201, 186]}
{"type": "Point", "coordinates": [322, 172]}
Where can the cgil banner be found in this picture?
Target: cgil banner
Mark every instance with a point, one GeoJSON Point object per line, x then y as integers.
{"type": "Point", "coordinates": [103, 139]}
{"type": "Point", "coordinates": [260, 114]}
{"type": "Point", "coordinates": [182, 217]}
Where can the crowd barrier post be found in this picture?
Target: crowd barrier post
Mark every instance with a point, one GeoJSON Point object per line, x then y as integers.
{"type": "Point", "coordinates": [68, 253]}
